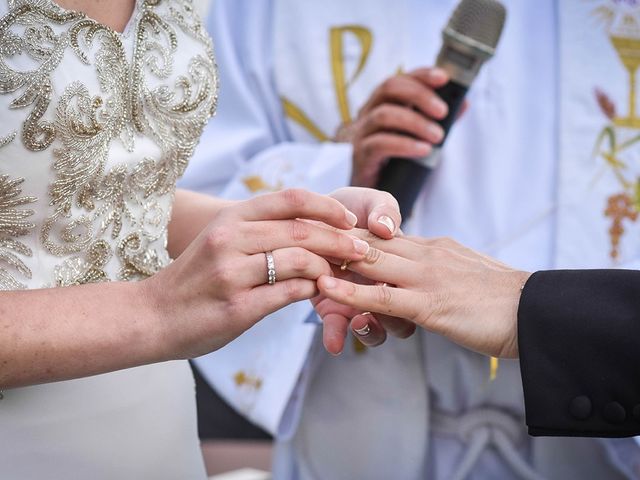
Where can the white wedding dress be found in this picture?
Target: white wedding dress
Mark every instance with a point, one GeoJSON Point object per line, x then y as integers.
{"type": "Point", "coordinates": [96, 126]}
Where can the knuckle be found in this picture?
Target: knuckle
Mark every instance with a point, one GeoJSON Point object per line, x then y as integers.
{"type": "Point", "coordinates": [260, 244]}
{"type": "Point", "coordinates": [368, 146]}
{"type": "Point", "coordinates": [442, 245]}
{"type": "Point", "coordinates": [388, 87]}
{"type": "Point", "coordinates": [388, 200]}
{"type": "Point", "coordinates": [381, 116]}
{"type": "Point", "coordinates": [371, 238]}
{"type": "Point", "coordinates": [443, 258]}
{"type": "Point", "coordinates": [430, 309]}
{"type": "Point", "coordinates": [300, 261]}
{"type": "Point", "coordinates": [428, 94]}
{"type": "Point", "coordinates": [218, 237]}
{"type": "Point", "coordinates": [374, 256]}
{"type": "Point", "coordinates": [342, 243]}
{"type": "Point", "coordinates": [358, 152]}
{"type": "Point", "coordinates": [383, 295]}
{"type": "Point", "coordinates": [447, 241]}
{"type": "Point", "coordinates": [224, 277]}
{"type": "Point", "coordinates": [299, 231]}
{"type": "Point", "coordinates": [294, 289]}
{"type": "Point", "coordinates": [237, 306]}
{"type": "Point", "coordinates": [295, 197]}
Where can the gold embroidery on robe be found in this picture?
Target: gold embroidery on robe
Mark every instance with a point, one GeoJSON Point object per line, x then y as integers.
{"type": "Point", "coordinates": [618, 142]}
{"type": "Point", "coordinates": [243, 379]}
{"type": "Point", "coordinates": [256, 183]}
{"type": "Point", "coordinates": [340, 81]}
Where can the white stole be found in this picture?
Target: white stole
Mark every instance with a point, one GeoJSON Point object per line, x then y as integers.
{"type": "Point", "coordinates": [326, 78]}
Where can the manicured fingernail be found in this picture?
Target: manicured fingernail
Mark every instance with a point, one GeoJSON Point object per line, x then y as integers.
{"type": "Point", "coordinates": [361, 246]}
{"type": "Point", "coordinates": [388, 223]}
{"type": "Point", "coordinates": [329, 282]}
{"type": "Point", "coordinates": [364, 331]}
{"type": "Point", "coordinates": [351, 218]}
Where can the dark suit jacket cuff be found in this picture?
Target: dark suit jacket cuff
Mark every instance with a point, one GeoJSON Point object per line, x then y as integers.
{"type": "Point", "coordinates": [579, 343]}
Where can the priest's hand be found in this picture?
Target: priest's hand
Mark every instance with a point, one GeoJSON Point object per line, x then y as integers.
{"type": "Point", "coordinates": [398, 120]}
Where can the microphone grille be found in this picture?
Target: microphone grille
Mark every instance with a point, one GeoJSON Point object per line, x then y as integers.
{"type": "Point", "coordinates": [480, 20]}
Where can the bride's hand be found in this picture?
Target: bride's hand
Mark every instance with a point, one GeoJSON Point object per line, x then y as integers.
{"type": "Point", "coordinates": [440, 286]}
{"type": "Point", "coordinates": [217, 288]}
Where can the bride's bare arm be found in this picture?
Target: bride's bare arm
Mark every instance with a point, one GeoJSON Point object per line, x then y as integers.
{"type": "Point", "coordinates": [62, 333]}
{"type": "Point", "coordinates": [191, 213]}
{"type": "Point", "coordinates": [214, 291]}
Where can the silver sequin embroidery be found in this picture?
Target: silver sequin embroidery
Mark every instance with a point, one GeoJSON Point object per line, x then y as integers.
{"type": "Point", "coordinates": [100, 213]}
{"type": "Point", "coordinates": [13, 224]}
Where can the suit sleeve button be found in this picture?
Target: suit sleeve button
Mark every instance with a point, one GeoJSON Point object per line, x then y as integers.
{"type": "Point", "coordinates": [614, 413]}
{"type": "Point", "coordinates": [580, 407]}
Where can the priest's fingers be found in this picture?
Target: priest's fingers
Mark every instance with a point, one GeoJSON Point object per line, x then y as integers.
{"type": "Point", "coordinates": [407, 90]}
{"type": "Point", "coordinates": [370, 151]}
{"type": "Point", "coordinates": [400, 119]}
{"type": "Point", "coordinates": [433, 77]}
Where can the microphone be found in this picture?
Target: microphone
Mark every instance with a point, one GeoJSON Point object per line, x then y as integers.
{"type": "Point", "coordinates": [469, 39]}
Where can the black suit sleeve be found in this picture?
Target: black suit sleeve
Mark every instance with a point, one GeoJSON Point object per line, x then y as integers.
{"type": "Point", "coordinates": [579, 343]}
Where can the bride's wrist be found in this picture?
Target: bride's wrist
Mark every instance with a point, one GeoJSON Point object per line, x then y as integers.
{"type": "Point", "coordinates": [156, 317]}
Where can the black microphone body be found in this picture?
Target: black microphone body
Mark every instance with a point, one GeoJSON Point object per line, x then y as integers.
{"type": "Point", "coordinates": [403, 177]}
{"type": "Point", "coordinates": [470, 39]}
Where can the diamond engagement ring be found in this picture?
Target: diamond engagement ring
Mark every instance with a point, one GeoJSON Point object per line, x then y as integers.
{"type": "Point", "coordinates": [271, 268]}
